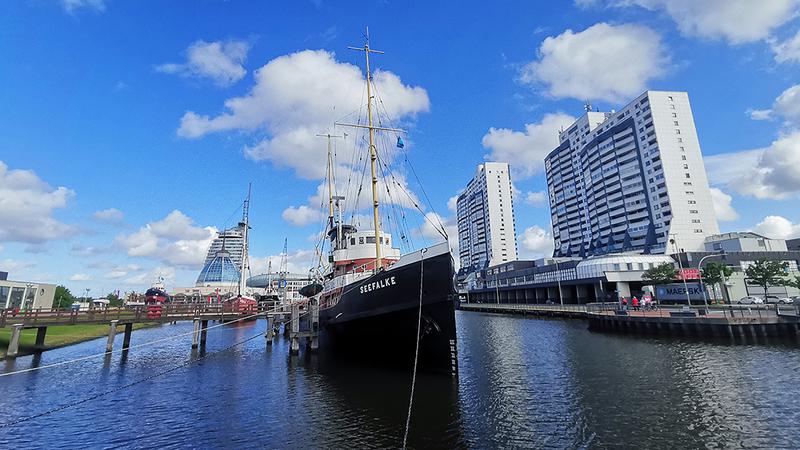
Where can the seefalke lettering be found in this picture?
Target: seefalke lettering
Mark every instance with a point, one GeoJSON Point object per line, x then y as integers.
{"type": "Point", "coordinates": [377, 285]}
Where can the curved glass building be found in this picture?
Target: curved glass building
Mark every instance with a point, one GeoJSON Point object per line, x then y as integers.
{"type": "Point", "coordinates": [219, 271]}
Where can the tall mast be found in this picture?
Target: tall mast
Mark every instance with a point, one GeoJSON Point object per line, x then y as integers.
{"type": "Point", "coordinates": [246, 224]}
{"type": "Point", "coordinates": [373, 155]}
{"type": "Point", "coordinates": [330, 178]}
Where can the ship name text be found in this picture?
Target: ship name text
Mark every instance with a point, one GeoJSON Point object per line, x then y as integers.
{"type": "Point", "coordinates": [377, 285]}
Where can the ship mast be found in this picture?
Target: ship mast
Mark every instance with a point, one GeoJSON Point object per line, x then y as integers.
{"type": "Point", "coordinates": [330, 179]}
{"type": "Point", "coordinates": [246, 224]}
{"type": "Point", "coordinates": [373, 155]}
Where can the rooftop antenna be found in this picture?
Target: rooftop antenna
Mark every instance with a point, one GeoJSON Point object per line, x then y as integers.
{"type": "Point", "coordinates": [587, 105]}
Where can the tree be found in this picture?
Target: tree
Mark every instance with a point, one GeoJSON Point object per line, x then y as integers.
{"type": "Point", "coordinates": [795, 283]}
{"type": "Point", "coordinates": [661, 274]}
{"type": "Point", "coordinates": [716, 273]}
{"type": "Point", "coordinates": [113, 300]}
{"type": "Point", "coordinates": [767, 273]}
{"type": "Point", "coordinates": [63, 298]}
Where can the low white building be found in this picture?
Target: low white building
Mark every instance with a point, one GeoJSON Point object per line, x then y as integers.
{"type": "Point", "coordinates": [26, 294]}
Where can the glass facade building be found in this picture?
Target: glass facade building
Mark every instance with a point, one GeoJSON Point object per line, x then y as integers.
{"type": "Point", "coordinates": [219, 271]}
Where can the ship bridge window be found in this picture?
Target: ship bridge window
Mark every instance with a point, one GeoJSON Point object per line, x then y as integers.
{"type": "Point", "coordinates": [370, 239]}
{"type": "Point", "coordinates": [361, 240]}
{"type": "Point", "coordinates": [352, 241]}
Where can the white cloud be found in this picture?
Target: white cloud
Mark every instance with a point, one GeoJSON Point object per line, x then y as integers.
{"type": "Point", "coordinates": [737, 21]}
{"type": "Point", "coordinates": [13, 265]}
{"type": "Point", "coordinates": [777, 227]}
{"type": "Point", "coordinates": [173, 240]}
{"type": "Point", "coordinates": [525, 150]}
{"type": "Point", "coordinates": [294, 99]}
{"type": "Point", "coordinates": [430, 229]}
{"type": "Point", "coordinates": [219, 61]}
{"type": "Point", "coordinates": [110, 215]}
{"type": "Point", "coordinates": [535, 242]}
{"type": "Point", "coordinates": [74, 5]}
{"type": "Point", "coordinates": [80, 277]}
{"type": "Point", "coordinates": [149, 277]}
{"type": "Point", "coordinates": [538, 198]}
{"type": "Point", "coordinates": [786, 107]}
{"type": "Point", "coordinates": [787, 51]}
{"type": "Point", "coordinates": [302, 215]}
{"type": "Point", "coordinates": [26, 206]}
{"type": "Point", "coordinates": [773, 172]}
{"type": "Point", "coordinates": [452, 204]}
{"type": "Point", "coordinates": [722, 206]}
{"type": "Point", "coordinates": [297, 261]}
{"type": "Point", "coordinates": [604, 62]}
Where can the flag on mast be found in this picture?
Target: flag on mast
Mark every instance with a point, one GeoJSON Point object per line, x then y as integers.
{"type": "Point", "coordinates": [400, 143]}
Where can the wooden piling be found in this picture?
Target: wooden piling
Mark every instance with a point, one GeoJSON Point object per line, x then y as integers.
{"type": "Point", "coordinates": [126, 338]}
{"type": "Point", "coordinates": [196, 333]}
{"type": "Point", "coordinates": [269, 333]}
{"type": "Point", "coordinates": [112, 332]}
{"type": "Point", "coordinates": [295, 328]}
{"type": "Point", "coordinates": [41, 332]}
{"type": "Point", "coordinates": [13, 344]}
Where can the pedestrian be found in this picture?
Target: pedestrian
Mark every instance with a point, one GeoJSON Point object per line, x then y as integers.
{"type": "Point", "coordinates": [624, 303]}
{"type": "Point", "coordinates": [635, 302]}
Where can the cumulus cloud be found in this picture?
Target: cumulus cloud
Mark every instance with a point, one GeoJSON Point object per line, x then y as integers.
{"type": "Point", "coordinates": [302, 215]}
{"type": "Point", "coordinates": [538, 198]}
{"type": "Point", "coordinates": [12, 265]}
{"type": "Point", "coordinates": [222, 62]}
{"type": "Point", "coordinates": [603, 62]}
{"type": "Point", "coordinates": [80, 277]}
{"type": "Point", "coordinates": [174, 239]}
{"type": "Point", "coordinates": [778, 227]}
{"type": "Point", "coordinates": [110, 215]}
{"type": "Point", "coordinates": [787, 51]}
{"type": "Point", "coordinates": [74, 5]}
{"type": "Point", "coordinates": [294, 99]}
{"type": "Point", "coordinates": [773, 172]}
{"type": "Point", "coordinates": [525, 150]}
{"type": "Point", "coordinates": [785, 107]}
{"type": "Point", "coordinates": [26, 207]}
{"type": "Point", "coordinates": [452, 204]}
{"type": "Point", "coordinates": [297, 261]}
{"type": "Point", "coordinates": [147, 278]}
{"type": "Point", "coordinates": [737, 21]}
{"type": "Point", "coordinates": [535, 242]}
{"type": "Point", "coordinates": [722, 206]}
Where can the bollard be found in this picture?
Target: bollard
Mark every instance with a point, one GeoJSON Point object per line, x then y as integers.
{"type": "Point", "coordinates": [13, 345]}
{"type": "Point", "coordinates": [295, 327]}
{"type": "Point", "coordinates": [112, 331]}
{"type": "Point", "coordinates": [196, 333]}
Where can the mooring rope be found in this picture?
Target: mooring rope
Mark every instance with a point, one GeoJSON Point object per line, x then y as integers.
{"type": "Point", "coordinates": [416, 350]}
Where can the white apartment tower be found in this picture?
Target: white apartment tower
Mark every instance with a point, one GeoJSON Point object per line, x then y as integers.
{"type": "Point", "coordinates": [485, 210]}
{"type": "Point", "coordinates": [631, 180]}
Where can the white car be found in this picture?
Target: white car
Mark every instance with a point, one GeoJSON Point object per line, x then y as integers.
{"type": "Point", "coordinates": [750, 300]}
{"type": "Point", "coordinates": [780, 300]}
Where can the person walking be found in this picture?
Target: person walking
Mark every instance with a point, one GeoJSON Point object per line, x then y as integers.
{"type": "Point", "coordinates": [624, 303]}
{"type": "Point", "coordinates": [635, 302]}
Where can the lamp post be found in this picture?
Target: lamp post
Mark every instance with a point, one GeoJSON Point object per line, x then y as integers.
{"type": "Point", "coordinates": [700, 270]}
{"type": "Point", "coordinates": [680, 266]}
{"type": "Point", "coordinates": [558, 271]}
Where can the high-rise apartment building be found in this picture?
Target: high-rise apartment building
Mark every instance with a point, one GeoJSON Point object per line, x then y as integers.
{"type": "Point", "coordinates": [486, 218]}
{"type": "Point", "coordinates": [233, 240]}
{"type": "Point", "coordinates": [631, 180]}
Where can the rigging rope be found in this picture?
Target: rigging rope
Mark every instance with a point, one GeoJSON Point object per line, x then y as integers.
{"type": "Point", "coordinates": [416, 349]}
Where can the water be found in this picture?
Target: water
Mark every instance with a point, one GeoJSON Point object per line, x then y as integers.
{"type": "Point", "coordinates": [523, 383]}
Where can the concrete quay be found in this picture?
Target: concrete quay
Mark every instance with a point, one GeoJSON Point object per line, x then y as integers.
{"type": "Point", "coordinates": [729, 322]}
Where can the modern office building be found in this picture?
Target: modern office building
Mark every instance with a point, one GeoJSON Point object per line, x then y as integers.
{"type": "Point", "coordinates": [25, 294]}
{"type": "Point", "coordinates": [485, 210]}
{"type": "Point", "coordinates": [233, 239]}
{"type": "Point", "coordinates": [220, 271]}
{"type": "Point", "coordinates": [630, 181]}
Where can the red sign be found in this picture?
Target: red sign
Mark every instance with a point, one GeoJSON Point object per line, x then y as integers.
{"type": "Point", "coordinates": [689, 274]}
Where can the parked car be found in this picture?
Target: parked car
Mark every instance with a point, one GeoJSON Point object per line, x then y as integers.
{"type": "Point", "coordinates": [750, 300]}
{"type": "Point", "coordinates": [781, 300]}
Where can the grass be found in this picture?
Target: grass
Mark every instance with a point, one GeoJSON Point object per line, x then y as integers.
{"type": "Point", "coordinates": [59, 336]}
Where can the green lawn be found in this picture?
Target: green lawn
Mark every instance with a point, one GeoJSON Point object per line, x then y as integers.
{"type": "Point", "coordinates": [59, 336]}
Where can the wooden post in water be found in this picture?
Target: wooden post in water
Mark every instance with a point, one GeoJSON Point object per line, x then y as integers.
{"type": "Point", "coordinates": [269, 333]}
{"type": "Point", "coordinates": [13, 344]}
{"type": "Point", "coordinates": [295, 324]}
{"type": "Point", "coordinates": [41, 332]}
{"type": "Point", "coordinates": [112, 332]}
{"type": "Point", "coordinates": [126, 338]}
{"type": "Point", "coordinates": [196, 333]}
{"type": "Point", "coordinates": [203, 332]}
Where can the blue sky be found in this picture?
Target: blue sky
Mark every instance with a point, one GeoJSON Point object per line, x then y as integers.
{"type": "Point", "coordinates": [121, 151]}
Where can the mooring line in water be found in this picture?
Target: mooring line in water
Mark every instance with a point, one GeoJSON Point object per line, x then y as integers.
{"type": "Point", "coordinates": [416, 350]}
{"type": "Point", "coordinates": [119, 388]}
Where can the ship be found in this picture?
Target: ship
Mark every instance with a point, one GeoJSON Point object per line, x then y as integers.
{"type": "Point", "coordinates": [375, 301]}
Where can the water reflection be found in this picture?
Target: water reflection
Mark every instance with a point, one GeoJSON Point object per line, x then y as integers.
{"type": "Point", "coordinates": [523, 383]}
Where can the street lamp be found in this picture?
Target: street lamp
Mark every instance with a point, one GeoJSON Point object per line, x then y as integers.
{"type": "Point", "coordinates": [700, 270]}
{"type": "Point", "coordinates": [560, 297]}
{"type": "Point", "coordinates": [680, 265]}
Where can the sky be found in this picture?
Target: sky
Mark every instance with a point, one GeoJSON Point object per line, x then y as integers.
{"type": "Point", "coordinates": [129, 131]}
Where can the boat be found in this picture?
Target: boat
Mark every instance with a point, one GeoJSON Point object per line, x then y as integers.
{"type": "Point", "coordinates": [375, 302]}
{"type": "Point", "coordinates": [156, 295]}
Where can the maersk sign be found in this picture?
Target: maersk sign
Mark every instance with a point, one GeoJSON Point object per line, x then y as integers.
{"type": "Point", "coordinates": [677, 291]}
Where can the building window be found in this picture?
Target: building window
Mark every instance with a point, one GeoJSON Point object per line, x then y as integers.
{"type": "Point", "coordinates": [677, 131]}
{"type": "Point", "coordinates": [680, 139]}
{"type": "Point", "coordinates": [688, 176]}
{"type": "Point", "coordinates": [676, 122]}
{"type": "Point", "coordinates": [683, 157]}
{"type": "Point", "coordinates": [670, 98]}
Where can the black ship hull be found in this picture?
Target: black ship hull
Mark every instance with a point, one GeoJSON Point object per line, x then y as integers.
{"type": "Point", "coordinates": [377, 318]}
